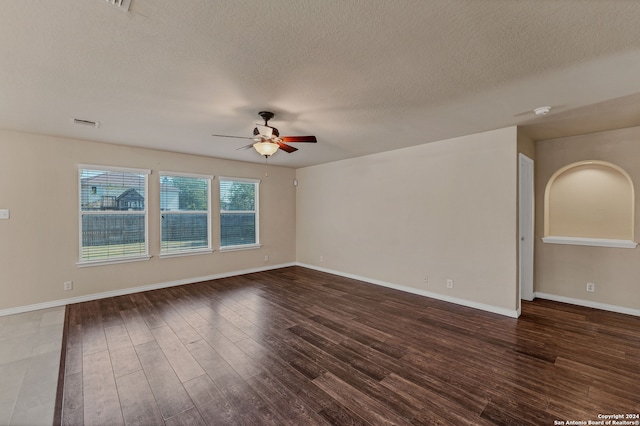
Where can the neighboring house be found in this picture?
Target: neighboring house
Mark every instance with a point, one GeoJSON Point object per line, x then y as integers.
{"type": "Point", "coordinates": [130, 200]}
{"type": "Point", "coordinates": [101, 192]}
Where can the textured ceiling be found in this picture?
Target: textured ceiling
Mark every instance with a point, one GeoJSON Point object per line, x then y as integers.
{"type": "Point", "coordinates": [364, 76]}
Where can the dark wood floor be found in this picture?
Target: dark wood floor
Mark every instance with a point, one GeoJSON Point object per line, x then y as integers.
{"type": "Point", "coordinates": [300, 347]}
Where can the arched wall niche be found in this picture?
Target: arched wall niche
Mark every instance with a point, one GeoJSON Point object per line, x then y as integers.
{"type": "Point", "coordinates": [590, 203]}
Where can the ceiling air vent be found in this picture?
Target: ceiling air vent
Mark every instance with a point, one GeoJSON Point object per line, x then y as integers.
{"type": "Point", "coordinates": [86, 123]}
{"type": "Point", "coordinates": [120, 4]}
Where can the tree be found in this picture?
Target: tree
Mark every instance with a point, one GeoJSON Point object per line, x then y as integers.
{"type": "Point", "coordinates": [193, 193]}
{"type": "Point", "coordinates": [238, 196]}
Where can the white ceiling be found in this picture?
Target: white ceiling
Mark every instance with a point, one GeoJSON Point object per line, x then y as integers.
{"type": "Point", "coordinates": [364, 76]}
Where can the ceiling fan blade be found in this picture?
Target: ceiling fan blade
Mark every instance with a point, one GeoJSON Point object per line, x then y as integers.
{"type": "Point", "coordinates": [286, 148]}
{"type": "Point", "coordinates": [237, 137]}
{"type": "Point", "coordinates": [245, 147]}
{"type": "Point", "coordinates": [290, 139]}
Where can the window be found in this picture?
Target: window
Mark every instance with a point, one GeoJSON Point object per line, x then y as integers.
{"type": "Point", "coordinates": [185, 213]}
{"type": "Point", "coordinates": [113, 214]}
{"type": "Point", "coordinates": [238, 213]}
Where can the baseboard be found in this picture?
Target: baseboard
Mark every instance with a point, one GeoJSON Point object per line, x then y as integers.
{"type": "Point", "coordinates": [588, 304]}
{"type": "Point", "coordinates": [104, 295]}
{"type": "Point", "coordinates": [444, 298]}
{"type": "Point", "coordinates": [455, 300]}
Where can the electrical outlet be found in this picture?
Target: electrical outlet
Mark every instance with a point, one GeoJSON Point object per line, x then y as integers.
{"type": "Point", "coordinates": [449, 283]}
{"type": "Point", "coordinates": [266, 258]}
{"type": "Point", "coordinates": [591, 287]}
{"type": "Point", "coordinates": [321, 258]}
{"type": "Point", "coordinates": [68, 285]}
{"type": "Point", "coordinates": [426, 279]}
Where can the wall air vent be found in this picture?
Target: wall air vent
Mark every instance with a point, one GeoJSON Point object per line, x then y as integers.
{"type": "Point", "coordinates": [86, 123]}
{"type": "Point", "coordinates": [120, 4]}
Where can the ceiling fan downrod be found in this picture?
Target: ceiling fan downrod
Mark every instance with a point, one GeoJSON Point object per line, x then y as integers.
{"type": "Point", "coordinates": [266, 116]}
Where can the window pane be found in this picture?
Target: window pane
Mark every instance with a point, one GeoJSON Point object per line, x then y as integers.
{"type": "Point", "coordinates": [238, 212]}
{"type": "Point", "coordinates": [184, 232]}
{"type": "Point", "coordinates": [181, 231]}
{"type": "Point", "coordinates": [237, 229]}
{"type": "Point", "coordinates": [184, 193]}
{"type": "Point", "coordinates": [111, 190]}
{"type": "Point", "coordinates": [105, 236]}
{"type": "Point", "coordinates": [237, 196]}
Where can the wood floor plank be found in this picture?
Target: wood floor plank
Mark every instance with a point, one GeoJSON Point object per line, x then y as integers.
{"type": "Point", "coordinates": [211, 403]}
{"type": "Point", "coordinates": [298, 346]}
{"type": "Point", "coordinates": [109, 312]}
{"type": "Point", "coordinates": [190, 417]}
{"type": "Point", "coordinates": [180, 327]}
{"type": "Point", "coordinates": [93, 337]}
{"type": "Point", "coordinates": [185, 367]}
{"type": "Point", "coordinates": [337, 414]}
{"type": "Point", "coordinates": [366, 407]}
{"type": "Point", "coordinates": [217, 368]}
{"type": "Point", "coordinates": [222, 324]}
{"type": "Point", "coordinates": [124, 361]}
{"type": "Point", "coordinates": [431, 407]}
{"type": "Point", "coordinates": [150, 312]}
{"type": "Point", "coordinates": [293, 410]}
{"type": "Point", "coordinates": [290, 377]}
{"type": "Point", "coordinates": [73, 401]}
{"type": "Point", "coordinates": [139, 406]}
{"type": "Point", "coordinates": [101, 401]}
{"type": "Point", "coordinates": [253, 409]}
{"type": "Point", "coordinates": [117, 337]}
{"type": "Point", "coordinates": [73, 364]}
{"type": "Point", "coordinates": [237, 359]}
{"type": "Point", "coordinates": [139, 332]}
{"type": "Point", "coordinates": [170, 395]}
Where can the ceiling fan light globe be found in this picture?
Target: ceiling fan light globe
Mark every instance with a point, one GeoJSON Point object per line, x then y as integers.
{"type": "Point", "coordinates": [266, 148]}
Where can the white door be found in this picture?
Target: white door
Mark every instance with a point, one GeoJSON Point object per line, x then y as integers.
{"type": "Point", "coordinates": [526, 226]}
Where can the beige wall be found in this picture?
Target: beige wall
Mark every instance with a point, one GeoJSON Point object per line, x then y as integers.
{"type": "Point", "coordinates": [590, 201]}
{"type": "Point", "coordinates": [564, 270]}
{"type": "Point", "coordinates": [441, 210]}
{"type": "Point", "coordinates": [526, 145]}
{"type": "Point", "coordinates": [39, 243]}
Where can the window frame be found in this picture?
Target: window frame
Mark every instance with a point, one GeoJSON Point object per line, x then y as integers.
{"type": "Point", "coordinates": [144, 212]}
{"type": "Point", "coordinates": [199, 250]}
{"type": "Point", "coordinates": [256, 212]}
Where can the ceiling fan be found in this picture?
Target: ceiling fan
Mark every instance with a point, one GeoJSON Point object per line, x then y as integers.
{"type": "Point", "coordinates": [267, 140]}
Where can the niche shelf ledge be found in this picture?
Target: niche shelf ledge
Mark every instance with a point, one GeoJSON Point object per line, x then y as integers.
{"type": "Point", "coordinates": [596, 242]}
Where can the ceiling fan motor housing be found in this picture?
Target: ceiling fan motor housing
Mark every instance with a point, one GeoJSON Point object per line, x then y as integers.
{"type": "Point", "coordinates": [274, 133]}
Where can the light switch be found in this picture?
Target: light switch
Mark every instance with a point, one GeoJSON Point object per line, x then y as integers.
{"type": "Point", "coordinates": [4, 213]}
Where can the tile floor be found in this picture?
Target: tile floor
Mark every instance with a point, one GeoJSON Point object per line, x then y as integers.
{"type": "Point", "coordinates": [30, 346]}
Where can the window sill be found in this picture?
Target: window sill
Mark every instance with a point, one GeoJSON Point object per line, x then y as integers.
{"type": "Point", "coordinates": [595, 242]}
{"type": "Point", "coordinates": [88, 263]}
{"type": "Point", "coordinates": [185, 253]}
{"type": "Point", "coordinates": [238, 248]}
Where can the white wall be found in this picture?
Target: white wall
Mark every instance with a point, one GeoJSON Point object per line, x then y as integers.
{"type": "Point", "coordinates": [441, 210]}
{"type": "Point", "coordinates": [39, 243]}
